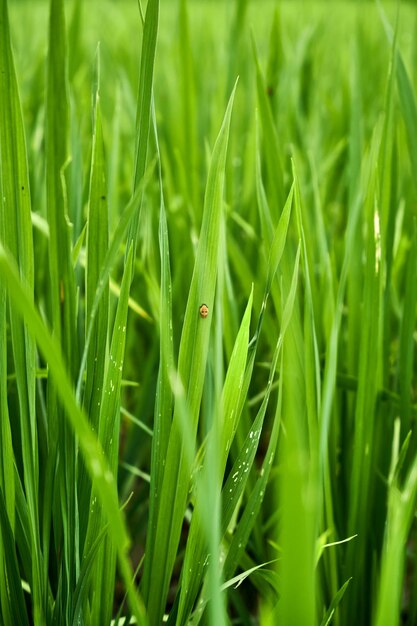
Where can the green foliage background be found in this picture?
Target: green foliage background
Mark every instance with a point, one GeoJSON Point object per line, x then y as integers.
{"type": "Point", "coordinates": [258, 465]}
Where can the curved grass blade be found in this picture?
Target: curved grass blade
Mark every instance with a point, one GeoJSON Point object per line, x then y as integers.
{"type": "Point", "coordinates": [16, 236]}
{"type": "Point", "coordinates": [252, 508]}
{"type": "Point", "coordinates": [101, 476]}
{"type": "Point", "coordinates": [327, 619]}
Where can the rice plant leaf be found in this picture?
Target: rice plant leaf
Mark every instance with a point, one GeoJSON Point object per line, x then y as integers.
{"type": "Point", "coordinates": [6, 462]}
{"type": "Point", "coordinates": [56, 138]}
{"type": "Point", "coordinates": [271, 144]}
{"type": "Point", "coordinates": [16, 236]}
{"type": "Point", "coordinates": [12, 599]}
{"type": "Point", "coordinates": [405, 366]}
{"type": "Point", "coordinates": [100, 474]}
{"type": "Point", "coordinates": [164, 396]}
{"type": "Point", "coordinates": [108, 431]}
{"type": "Point", "coordinates": [108, 264]}
{"type": "Point", "coordinates": [401, 508]}
{"type": "Point", "coordinates": [97, 246]}
{"type": "Point", "coordinates": [143, 111]}
{"type": "Point", "coordinates": [86, 570]}
{"type": "Point", "coordinates": [196, 550]}
{"type": "Point", "coordinates": [62, 300]}
{"type": "Point", "coordinates": [252, 508]}
{"type": "Point", "coordinates": [328, 617]}
{"type": "Point", "coordinates": [409, 109]}
{"type": "Point", "coordinates": [191, 368]}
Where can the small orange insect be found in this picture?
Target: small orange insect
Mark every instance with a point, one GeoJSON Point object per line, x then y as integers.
{"type": "Point", "coordinates": [204, 310]}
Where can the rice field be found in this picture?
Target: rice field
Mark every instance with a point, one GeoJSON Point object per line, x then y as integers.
{"type": "Point", "coordinates": [208, 291]}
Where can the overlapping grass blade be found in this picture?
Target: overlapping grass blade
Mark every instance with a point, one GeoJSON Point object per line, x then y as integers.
{"type": "Point", "coordinates": [401, 508]}
{"type": "Point", "coordinates": [101, 476]}
{"type": "Point", "coordinates": [195, 559]}
{"type": "Point", "coordinates": [16, 233]}
{"type": "Point", "coordinates": [143, 111]}
{"type": "Point", "coordinates": [191, 369]}
{"type": "Point", "coordinates": [13, 609]}
{"type": "Point", "coordinates": [108, 433]}
{"type": "Point", "coordinates": [252, 508]}
{"type": "Point", "coordinates": [370, 378]}
{"type": "Point", "coordinates": [327, 619]}
{"type": "Point", "coordinates": [97, 246]}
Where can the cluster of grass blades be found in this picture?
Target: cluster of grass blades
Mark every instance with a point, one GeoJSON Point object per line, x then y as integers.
{"type": "Point", "coordinates": [252, 461]}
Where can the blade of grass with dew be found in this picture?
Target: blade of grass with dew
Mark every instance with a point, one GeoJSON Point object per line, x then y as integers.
{"type": "Point", "coordinates": [246, 524]}
{"type": "Point", "coordinates": [238, 476]}
{"type": "Point", "coordinates": [252, 508]}
{"type": "Point", "coordinates": [93, 454]}
{"type": "Point", "coordinates": [275, 256]}
{"type": "Point", "coordinates": [16, 232]}
{"type": "Point", "coordinates": [191, 368]}
{"type": "Point", "coordinates": [108, 431]}
{"type": "Point", "coordinates": [196, 549]}
{"type": "Point", "coordinates": [127, 215]}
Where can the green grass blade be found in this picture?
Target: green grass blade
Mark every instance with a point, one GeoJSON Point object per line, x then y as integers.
{"type": "Point", "coordinates": [109, 261]}
{"type": "Point", "coordinates": [16, 233]}
{"type": "Point", "coordinates": [327, 619]}
{"type": "Point", "coordinates": [405, 366]}
{"type": "Point", "coordinates": [401, 509]}
{"type": "Point", "coordinates": [191, 368]}
{"type": "Point", "coordinates": [409, 109]}
{"type": "Point", "coordinates": [197, 548]}
{"type": "Point", "coordinates": [248, 519]}
{"type": "Point", "coordinates": [12, 599]}
{"type": "Point", "coordinates": [97, 246]}
{"type": "Point", "coordinates": [164, 395]}
{"type": "Point", "coordinates": [108, 431]}
{"type": "Point", "coordinates": [143, 112]}
{"type": "Point", "coordinates": [275, 182]}
{"type": "Point", "coordinates": [101, 476]}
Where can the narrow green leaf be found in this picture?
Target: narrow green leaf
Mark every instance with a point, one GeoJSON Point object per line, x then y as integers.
{"type": "Point", "coordinates": [191, 368]}
{"type": "Point", "coordinates": [16, 236]}
{"type": "Point", "coordinates": [101, 476]}
{"type": "Point", "coordinates": [197, 549]}
{"type": "Point", "coordinates": [143, 111]}
{"type": "Point", "coordinates": [327, 619]}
